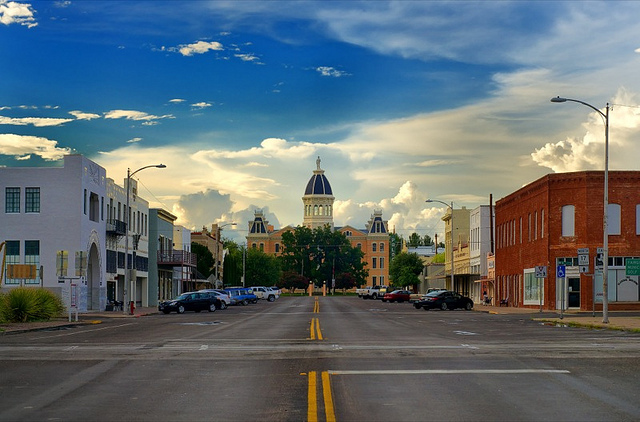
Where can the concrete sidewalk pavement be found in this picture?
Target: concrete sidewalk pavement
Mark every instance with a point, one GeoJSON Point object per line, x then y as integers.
{"type": "Point", "coordinates": [618, 320]}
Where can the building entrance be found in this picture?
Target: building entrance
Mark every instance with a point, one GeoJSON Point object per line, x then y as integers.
{"type": "Point", "coordinates": [573, 287]}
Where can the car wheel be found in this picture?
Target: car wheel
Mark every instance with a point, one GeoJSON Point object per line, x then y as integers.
{"type": "Point", "coordinates": [245, 302]}
{"type": "Point", "coordinates": [469, 306]}
{"type": "Point", "coordinates": [223, 305]}
{"type": "Point", "coordinates": [415, 305]}
{"type": "Point", "coordinates": [444, 306]}
{"type": "Point", "coordinates": [181, 309]}
{"type": "Point", "coordinates": [374, 297]}
{"type": "Point", "coordinates": [212, 307]}
{"type": "Point", "coordinates": [385, 300]}
{"type": "Point", "coordinates": [271, 298]}
{"type": "Point", "coordinates": [254, 301]}
{"type": "Point", "coordinates": [425, 308]}
{"type": "Point", "coordinates": [166, 312]}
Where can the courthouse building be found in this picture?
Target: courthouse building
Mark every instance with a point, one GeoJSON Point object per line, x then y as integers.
{"type": "Point", "coordinates": [317, 212]}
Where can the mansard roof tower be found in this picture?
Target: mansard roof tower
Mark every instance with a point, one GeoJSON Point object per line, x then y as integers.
{"type": "Point", "coordinates": [318, 200]}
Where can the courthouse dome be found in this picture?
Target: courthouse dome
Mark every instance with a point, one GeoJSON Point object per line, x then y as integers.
{"type": "Point", "coordinates": [318, 184]}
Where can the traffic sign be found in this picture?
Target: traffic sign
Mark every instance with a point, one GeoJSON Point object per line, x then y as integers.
{"type": "Point", "coordinates": [632, 266]}
{"type": "Point", "coordinates": [560, 272]}
{"type": "Point", "coordinates": [583, 259]}
{"type": "Point", "coordinates": [541, 271]}
{"type": "Point", "coordinates": [583, 251]}
{"type": "Point", "coordinates": [584, 269]}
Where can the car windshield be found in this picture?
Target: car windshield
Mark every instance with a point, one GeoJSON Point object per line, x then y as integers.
{"type": "Point", "coordinates": [182, 297]}
{"type": "Point", "coordinates": [396, 292]}
{"type": "Point", "coordinates": [436, 293]}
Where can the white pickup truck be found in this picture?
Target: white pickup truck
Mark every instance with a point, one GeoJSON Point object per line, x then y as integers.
{"type": "Point", "coordinates": [361, 291]}
{"type": "Point", "coordinates": [265, 293]}
{"type": "Point", "coordinates": [375, 292]}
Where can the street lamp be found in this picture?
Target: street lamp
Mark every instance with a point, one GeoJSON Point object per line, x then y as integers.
{"type": "Point", "coordinates": [130, 291]}
{"type": "Point", "coordinates": [450, 206]}
{"type": "Point", "coordinates": [605, 241]}
{"type": "Point", "coordinates": [219, 229]}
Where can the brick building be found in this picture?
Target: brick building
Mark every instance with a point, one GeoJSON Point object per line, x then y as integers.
{"type": "Point", "coordinates": [547, 221]}
{"type": "Point", "coordinates": [317, 201]}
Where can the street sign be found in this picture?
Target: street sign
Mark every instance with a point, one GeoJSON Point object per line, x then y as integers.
{"type": "Point", "coordinates": [584, 269]}
{"type": "Point", "coordinates": [583, 259]}
{"type": "Point", "coordinates": [560, 272]}
{"type": "Point", "coordinates": [583, 251]}
{"type": "Point", "coordinates": [541, 271]}
{"type": "Point", "coordinates": [632, 266]}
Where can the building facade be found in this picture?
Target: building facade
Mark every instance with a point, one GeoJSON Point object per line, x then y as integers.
{"type": "Point", "coordinates": [53, 221]}
{"type": "Point", "coordinates": [317, 202]}
{"type": "Point", "coordinates": [545, 223]}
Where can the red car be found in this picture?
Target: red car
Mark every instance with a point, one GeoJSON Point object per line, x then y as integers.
{"type": "Point", "coordinates": [397, 296]}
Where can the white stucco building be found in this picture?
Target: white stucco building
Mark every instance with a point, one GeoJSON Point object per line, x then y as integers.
{"type": "Point", "coordinates": [53, 218]}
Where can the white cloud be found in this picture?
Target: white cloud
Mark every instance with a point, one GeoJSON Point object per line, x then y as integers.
{"type": "Point", "coordinates": [177, 100]}
{"type": "Point", "coordinates": [84, 116]}
{"type": "Point", "coordinates": [135, 115]}
{"type": "Point", "coordinates": [134, 140]}
{"type": "Point", "coordinates": [200, 105]}
{"type": "Point", "coordinates": [331, 71]}
{"type": "Point", "coordinates": [15, 12]}
{"type": "Point", "coordinates": [21, 146]}
{"type": "Point", "coordinates": [199, 47]}
{"type": "Point", "coordinates": [35, 121]}
{"type": "Point", "coordinates": [247, 57]}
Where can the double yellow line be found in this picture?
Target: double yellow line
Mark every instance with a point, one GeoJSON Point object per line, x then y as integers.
{"type": "Point", "coordinates": [312, 399]}
{"type": "Point", "coordinates": [315, 323]}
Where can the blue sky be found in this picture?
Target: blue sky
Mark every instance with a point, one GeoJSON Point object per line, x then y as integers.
{"type": "Point", "coordinates": [402, 100]}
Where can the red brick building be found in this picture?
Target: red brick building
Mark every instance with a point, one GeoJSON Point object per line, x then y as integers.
{"type": "Point", "coordinates": [547, 221]}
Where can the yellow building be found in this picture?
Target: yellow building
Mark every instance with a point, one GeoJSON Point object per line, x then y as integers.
{"type": "Point", "coordinates": [317, 202]}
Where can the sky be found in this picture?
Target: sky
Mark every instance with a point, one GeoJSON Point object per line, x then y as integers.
{"type": "Point", "coordinates": [403, 101]}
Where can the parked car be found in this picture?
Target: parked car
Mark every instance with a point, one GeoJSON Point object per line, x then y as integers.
{"type": "Point", "coordinates": [190, 301]}
{"type": "Point", "coordinates": [444, 299]}
{"type": "Point", "coordinates": [276, 289]}
{"type": "Point", "coordinates": [361, 291]}
{"type": "Point", "coordinates": [225, 299]}
{"type": "Point", "coordinates": [265, 293]}
{"type": "Point", "coordinates": [397, 296]}
{"type": "Point", "coordinates": [242, 295]}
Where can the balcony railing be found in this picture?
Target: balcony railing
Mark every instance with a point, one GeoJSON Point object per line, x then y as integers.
{"type": "Point", "coordinates": [177, 258]}
{"type": "Point", "coordinates": [116, 227]}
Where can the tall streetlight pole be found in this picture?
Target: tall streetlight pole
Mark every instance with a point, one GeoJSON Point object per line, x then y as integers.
{"type": "Point", "coordinates": [218, 242]}
{"type": "Point", "coordinates": [451, 222]}
{"type": "Point", "coordinates": [128, 283]}
{"type": "Point", "coordinates": [605, 241]}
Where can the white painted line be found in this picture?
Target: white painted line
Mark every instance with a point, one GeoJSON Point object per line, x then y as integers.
{"type": "Point", "coordinates": [448, 371]}
{"type": "Point", "coordinates": [82, 331]}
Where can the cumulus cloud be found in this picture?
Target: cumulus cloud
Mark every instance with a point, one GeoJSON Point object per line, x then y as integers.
{"type": "Point", "coordinates": [177, 100]}
{"type": "Point", "coordinates": [199, 47]}
{"type": "Point", "coordinates": [201, 209]}
{"type": "Point", "coordinates": [19, 13]}
{"type": "Point", "coordinates": [135, 115]}
{"type": "Point", "coordinates": [35, 121]}
{"type": "Point", "coordinates": [21, 146]}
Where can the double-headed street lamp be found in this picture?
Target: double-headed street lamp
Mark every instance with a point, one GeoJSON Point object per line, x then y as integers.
{"type": "Point", "coordinates": [451, 222]}
{"type": "Point", "coordinates": [129, 294]}
{"type": "Point", "coordinates": [605, 241]}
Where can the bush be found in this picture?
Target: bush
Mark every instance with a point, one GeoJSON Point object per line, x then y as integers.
{"type": "Point", "coordinates": [24, 304]}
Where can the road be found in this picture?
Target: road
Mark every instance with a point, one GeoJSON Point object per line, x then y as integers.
{"type": "Point", "coordinates": [321, 359]}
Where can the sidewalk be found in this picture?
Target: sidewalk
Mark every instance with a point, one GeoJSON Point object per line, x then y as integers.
{"type": "Point", "coordinates": [618, 320]}
{"type": "Point", "coordinates": [91, 317]}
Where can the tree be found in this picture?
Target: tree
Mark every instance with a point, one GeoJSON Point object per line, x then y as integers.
{"type": "Point", "coordinates": [205, 261]}
{"type": "Point", "coordinates": [414, 240]}
{"type": "Point", "coordinates": [321, 254]}
{"type": "Point", "coordinates": [345, 281]}
{"type": "Point", "coordinates": [261, 269]}
{"type": "Point", "coordinates": [405, 268]}
{"type": "Point", "coordinates": [427, 241]}
{"type": "Point", "coordinates": [292, 281]}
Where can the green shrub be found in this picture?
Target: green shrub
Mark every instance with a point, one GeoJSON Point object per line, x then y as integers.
{"type": "Point", "coordinates": [23, 304]}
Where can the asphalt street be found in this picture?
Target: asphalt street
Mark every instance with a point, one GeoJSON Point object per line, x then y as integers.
{"type": "Point", "coordinates": [321, 358]}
